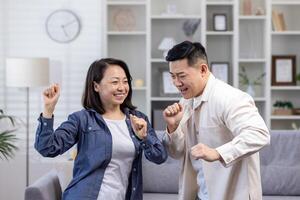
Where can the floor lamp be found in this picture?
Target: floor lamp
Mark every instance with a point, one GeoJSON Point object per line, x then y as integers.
{"type": "Point", "coordinates": [27, 73]}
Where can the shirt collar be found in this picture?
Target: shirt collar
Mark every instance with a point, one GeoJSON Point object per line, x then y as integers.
{"type": "Point", "coordinates": [204, 97]}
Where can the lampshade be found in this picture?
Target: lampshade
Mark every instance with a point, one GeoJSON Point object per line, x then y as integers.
{"type": "Point", "coordinates": [166, 43]}
{"type": "Point", "coordinates": [27, 72]}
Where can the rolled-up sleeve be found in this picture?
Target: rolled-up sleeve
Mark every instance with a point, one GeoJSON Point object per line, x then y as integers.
{"type": "Point", "coordinates": [175, 142]}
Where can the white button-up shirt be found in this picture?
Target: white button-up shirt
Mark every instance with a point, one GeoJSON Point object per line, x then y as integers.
{"type": "Point", "coordinates": [229, 122]}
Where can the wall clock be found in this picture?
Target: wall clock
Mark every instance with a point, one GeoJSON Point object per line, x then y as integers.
{"type": "Point", "coordinates": [63, 26]}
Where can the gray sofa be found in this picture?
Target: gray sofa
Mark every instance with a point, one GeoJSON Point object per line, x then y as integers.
{"type": "Point", "coordinates": [280, 171]}
{"type": "Point", "coordinates": [46, 187]}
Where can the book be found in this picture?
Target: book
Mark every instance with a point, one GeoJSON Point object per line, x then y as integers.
{"type": "Point", "coordinates": [281, 22]}
{"type": "Point", "coordinates": [276, 21]}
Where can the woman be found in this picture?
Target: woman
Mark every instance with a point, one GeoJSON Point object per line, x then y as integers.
{"type": "Point", "coordinates": [110, 136]}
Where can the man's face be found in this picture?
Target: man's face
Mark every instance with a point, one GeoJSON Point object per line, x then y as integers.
{"type": "Point", "coordinates": [189, 80]}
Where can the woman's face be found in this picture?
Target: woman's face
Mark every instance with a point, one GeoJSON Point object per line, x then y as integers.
{"type": "Point", "coordinates": [113, 88]}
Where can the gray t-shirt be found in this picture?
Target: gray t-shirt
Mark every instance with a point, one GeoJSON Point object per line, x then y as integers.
{"type": "Point", "coordinates": [115, 180]}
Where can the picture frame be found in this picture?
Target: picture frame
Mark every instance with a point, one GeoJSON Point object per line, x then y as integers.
{"type": "Point", "coordinates": [168, 88]}
{"type": "Point", "coordinates": [283, 70]}
{"type": "Point", "coordinates": [220, 22]}
{"type": "Point", "coordinates": [220, 70]}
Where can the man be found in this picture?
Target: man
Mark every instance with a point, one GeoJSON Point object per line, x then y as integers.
{"type": "Point", "coordinates": [215, 130]}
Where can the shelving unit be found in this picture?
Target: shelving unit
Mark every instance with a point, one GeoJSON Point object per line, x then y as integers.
{"type": "Point", "coordinates": [253, 56]}
{"type": "Point", "coordinates": [125, 37]}
{"type": "Point", "coordinates": [248, 43]}
{"type": "Point", "coordinates": [220, 44]}
{"type": "Point", "coordinates": [286, 42]}
{"type": "Point", "coordinates": [167, 22]}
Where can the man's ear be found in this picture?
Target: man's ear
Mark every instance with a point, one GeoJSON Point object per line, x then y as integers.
{"type": "Point", "coordinates": [204, 68]}
{"type": "Point", "coordinates": [96, 86]}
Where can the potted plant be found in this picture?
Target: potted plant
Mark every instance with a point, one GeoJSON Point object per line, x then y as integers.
{"type": "Point", "coordinates": [298, 79]}
{"type": "Point", "coordinates": [7, 136]}
{"type": "Point", "coordinates": [245, 81]}
{"type": "Point", "coordinates": [283, 108]}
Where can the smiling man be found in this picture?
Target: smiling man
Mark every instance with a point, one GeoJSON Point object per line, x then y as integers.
{"type": "Point", "coordinates": [215, 130]}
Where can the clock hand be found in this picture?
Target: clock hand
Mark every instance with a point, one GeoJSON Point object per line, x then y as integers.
{"type": "Point", "coordinates": [69, 23]}
{"type": "Point", "coordinates": [65, 32]}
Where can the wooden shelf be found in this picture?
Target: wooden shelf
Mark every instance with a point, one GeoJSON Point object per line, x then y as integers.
{"type": "Point", "coordinates": [252, 60]}
{"type": "Point", "coordinates": [285, 88]}
{"type": "Point", "coordinates": [285, 117]}
{"type": "Point", "coordinates": [274, 33]}
{"type": "Point", "coordinates": [158, 60]}
{"type": "Point", "coordinates": [284, 3]}
{"type": "Point", "coordinates": [175, 17]}
{"type": "Point", "coordinates": [230, 33]}
{"type": "Point", "coordinates": [144, 88]}
{"type": "Point", "coordinates": [134, 3]}
{"type": "Point", "coordinates": [260, 99]}
{"type": "Point", "coordinates": [219, 3]}
{"type": "Point", "coordinates": [165, 98]}
{"type": "Point", "coordinates": [252, 17]}
{"type": "Point", "coordinates": [126, 33]}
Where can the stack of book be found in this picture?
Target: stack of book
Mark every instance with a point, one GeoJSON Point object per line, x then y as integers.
{"type": "Point", "coordinates": [278, 21]}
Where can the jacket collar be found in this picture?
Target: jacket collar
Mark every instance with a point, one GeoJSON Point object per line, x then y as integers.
{"type": "Point", "coordinates": [190, 104]}
{"type": "Point", "coordinates": [202, 98]}
{"type": "Point", "coordinates": [208, 88]}
{"type": "Point", "coordinates": [126, 110]}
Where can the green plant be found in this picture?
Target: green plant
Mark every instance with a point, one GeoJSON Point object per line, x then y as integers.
{"type": "Point", "coordinates": [298, 77]}
{"type": "Point", "coordinates": [7, 136]}
{"type": "Point", "coordinates": [283, 104]}
{"type": "Point", "coordinates": [244, 79]}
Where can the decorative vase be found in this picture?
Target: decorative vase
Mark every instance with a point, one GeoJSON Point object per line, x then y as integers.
{"type": "Point", "coordinates": [247, 7]}
{"type": "Point", "coordinates": [250, 90]}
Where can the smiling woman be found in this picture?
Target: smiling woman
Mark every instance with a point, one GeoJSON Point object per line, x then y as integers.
{"type": "Point", "coordinates": [110, 134]}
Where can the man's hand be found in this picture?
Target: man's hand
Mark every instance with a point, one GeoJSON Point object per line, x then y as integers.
{"type": "Point", "coordinates": [172, 116]}
{"type": "Point", "coordinates": [139, 126]}
{"type": "Point", "coordinates": [50, 96]}
{"type": "Point", "coordinates": [201, 151]}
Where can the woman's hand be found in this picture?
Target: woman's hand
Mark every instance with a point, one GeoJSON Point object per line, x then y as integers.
{"type": "Point", "coordinates": [139, 126]}
{"type": "Point", "coordinates": [50, 97]}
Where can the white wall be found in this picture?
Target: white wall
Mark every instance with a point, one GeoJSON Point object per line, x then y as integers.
{"type": "Point", "coordinates": [22, 34]}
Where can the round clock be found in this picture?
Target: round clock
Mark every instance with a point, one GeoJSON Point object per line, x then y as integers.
{"type": "Point", "coordinates": [63, 26]}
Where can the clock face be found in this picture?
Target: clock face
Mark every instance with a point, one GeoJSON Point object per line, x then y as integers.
{"type": "Point", "coordinates": [63, 26]}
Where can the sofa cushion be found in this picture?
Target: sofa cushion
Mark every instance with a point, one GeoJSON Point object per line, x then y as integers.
{"type": "Point", "coordinates": [46, 187]}
{"type": "Point", "coordinates": [280, 164]}
{"type": "Point", "coordinates": [281, 198]}
{"type": "Point", "coordinates": [159, 196]}
{"type": "Point", "coordinates": [161, 178]}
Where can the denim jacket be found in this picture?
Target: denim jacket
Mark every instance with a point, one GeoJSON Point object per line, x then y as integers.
{"type": "Point", "coordinates": [88, 130]}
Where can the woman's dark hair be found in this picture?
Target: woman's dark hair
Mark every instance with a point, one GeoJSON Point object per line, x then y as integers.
{"type": "Point", "coordinates": [91, 98]}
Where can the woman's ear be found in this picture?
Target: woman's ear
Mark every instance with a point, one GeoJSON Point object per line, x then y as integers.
{"type": "Point", "coordinates": [96, 86]}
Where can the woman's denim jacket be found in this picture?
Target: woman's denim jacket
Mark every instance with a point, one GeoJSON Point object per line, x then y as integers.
{"type": "Point", "coordinates": [88, 130]}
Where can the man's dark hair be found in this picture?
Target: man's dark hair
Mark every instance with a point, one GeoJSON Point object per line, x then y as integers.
{"type": "Point", "coordinates": [190, 50]}
{"type": "Point", "coordinates": [91, 98]}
